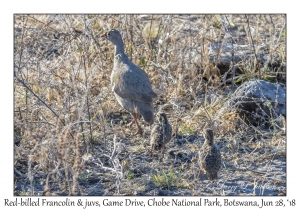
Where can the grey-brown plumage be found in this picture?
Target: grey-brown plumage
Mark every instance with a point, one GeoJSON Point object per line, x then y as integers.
{"type": "Point", "coordinates": [130, 84]}
{"type": "Point", "coordinates": [161, 133]}
{"type": "Point", "coordinates": [210, 156]}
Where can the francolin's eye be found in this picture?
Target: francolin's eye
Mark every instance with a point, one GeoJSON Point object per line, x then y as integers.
{"type": "Point", "coordinates": [108, 34]}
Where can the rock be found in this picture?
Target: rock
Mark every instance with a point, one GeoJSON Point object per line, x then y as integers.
{"type": "Point", "coordinates": [221, 55]}
{"type": "Point", "coordinates": [259, 100]}
{"type": "Point", "coordinates": [17, 139]}
{"type": "Point", "coordinates": [180, 155]}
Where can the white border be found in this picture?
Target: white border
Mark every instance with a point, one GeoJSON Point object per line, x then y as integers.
{"type": "Point", "coordinates": [153, 6]}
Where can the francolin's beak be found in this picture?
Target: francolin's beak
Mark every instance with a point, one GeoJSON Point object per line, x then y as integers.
{"type": "Point", "coordinates": [104, 35]}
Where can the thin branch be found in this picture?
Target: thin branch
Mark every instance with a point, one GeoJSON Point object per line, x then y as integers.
{"type": "Point", "coordinates": [43, 102]}
{"type": "Point", "coordinates": [257, 63]}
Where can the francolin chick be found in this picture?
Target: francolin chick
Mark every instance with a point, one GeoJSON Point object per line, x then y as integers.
{"type": "Point", "coordinates": [210, 156]}
{"type": "Point", "coordinates": [161, 133]}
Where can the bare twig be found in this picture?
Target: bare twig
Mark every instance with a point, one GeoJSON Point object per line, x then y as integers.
{"type": "Point", "coordinates": [35, 95]}
{"type": "Point", "coordinates": [254, 51]}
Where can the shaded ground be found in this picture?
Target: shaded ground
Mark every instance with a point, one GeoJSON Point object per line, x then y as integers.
{"type": "Point", "coordinates": [245, 170]}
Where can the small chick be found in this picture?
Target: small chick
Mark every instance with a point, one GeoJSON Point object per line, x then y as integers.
{"type": "Point", "coordinates": [210, 156]}
{"type": "Point", "coordinates": [161, 133]}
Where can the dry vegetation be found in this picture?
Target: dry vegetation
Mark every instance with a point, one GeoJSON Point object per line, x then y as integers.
{"type": "Point", "coordinates": [70, 133]}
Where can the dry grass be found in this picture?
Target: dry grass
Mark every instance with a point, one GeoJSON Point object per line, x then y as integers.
{"type": "Point", "coordinates": [66, 115]}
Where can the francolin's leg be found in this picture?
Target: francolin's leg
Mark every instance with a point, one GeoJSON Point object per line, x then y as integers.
{"type": "Point", "coordinates": [135, 120]}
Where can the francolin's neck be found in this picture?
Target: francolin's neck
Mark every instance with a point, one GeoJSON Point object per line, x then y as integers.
{"type": "Point", "coordinates": [119, 48]}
